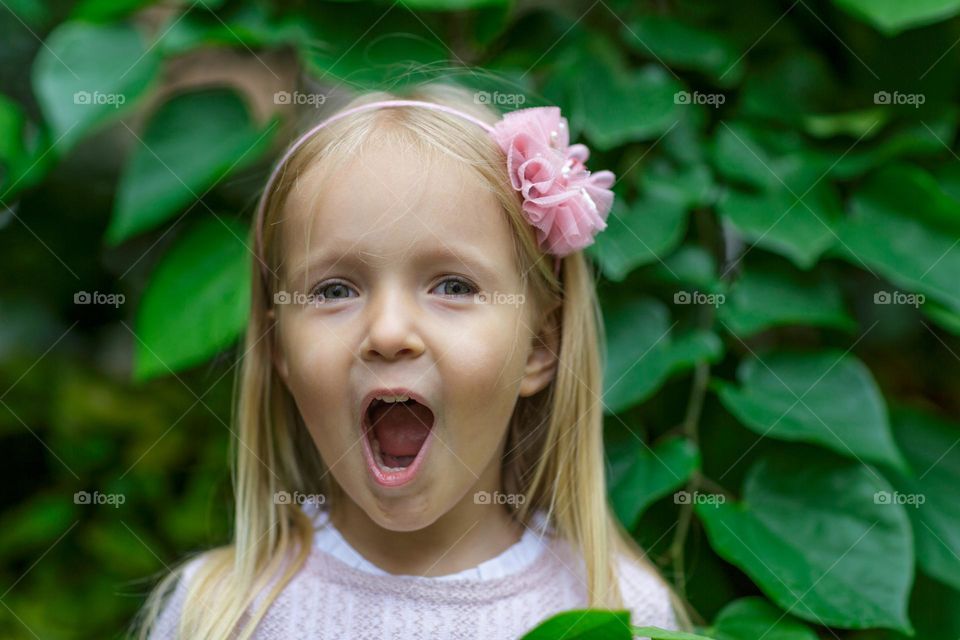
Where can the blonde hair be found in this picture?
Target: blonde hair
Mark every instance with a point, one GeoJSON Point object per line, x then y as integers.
{"type": "Point", "coordinates": [554, 449]}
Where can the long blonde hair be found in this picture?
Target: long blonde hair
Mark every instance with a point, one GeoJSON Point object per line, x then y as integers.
{"type": "Point", "coordinates": [554, 450]}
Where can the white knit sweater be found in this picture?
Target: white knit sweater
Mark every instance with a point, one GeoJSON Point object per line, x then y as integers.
{"type": "Point", "coordinates": [339, 594]}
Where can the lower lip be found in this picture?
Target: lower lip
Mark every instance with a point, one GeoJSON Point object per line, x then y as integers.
{"type": "Point", "coordinates": [395, 478]}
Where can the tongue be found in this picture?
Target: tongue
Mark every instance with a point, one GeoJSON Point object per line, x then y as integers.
{"type": "Point", "coordinates": [401, 429]}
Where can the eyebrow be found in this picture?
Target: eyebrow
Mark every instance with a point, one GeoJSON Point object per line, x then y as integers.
{"type": "Point", "coordinates": [473, 261]}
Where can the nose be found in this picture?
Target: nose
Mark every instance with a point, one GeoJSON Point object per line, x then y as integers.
{"type": "Point", "coordinates": [392, 326]}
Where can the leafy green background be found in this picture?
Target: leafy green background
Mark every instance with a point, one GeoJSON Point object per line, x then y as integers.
{"type": "Point", "coordinates": [779, 281]}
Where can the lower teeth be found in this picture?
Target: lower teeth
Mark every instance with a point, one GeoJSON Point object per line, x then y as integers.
{"type": "Point", "coordinates": [378, 456]}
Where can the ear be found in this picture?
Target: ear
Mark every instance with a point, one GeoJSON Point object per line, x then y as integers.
{"type": "Point", "coordinates": [277, 354]}
{"type": "Point", "coordinates": [543, 359]}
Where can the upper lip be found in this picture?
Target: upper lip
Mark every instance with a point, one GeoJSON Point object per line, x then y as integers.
{"type": "Point", "coordinates": [392, 391]}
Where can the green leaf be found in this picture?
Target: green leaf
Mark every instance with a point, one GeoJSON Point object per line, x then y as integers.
{"type": "Point", "coordinates": [248, 25]}
{"type": "Point", "coordinates": [650, 92]}
{"type": "Point", "coordinates": [640, 233]}
{"type": "Point", "coordinates": [910, 139]}
{"type": "Point", "coordinates": [772, 295]}
{"type": "Point", "coordinates": [892, 16]}
{"type": "Point", "coordinates": [656, 633]}
{"type": "Point", "coordinates": [107, 10]}
{"type": "Point", "coordinates": [903, 226]}
{"type": "Point", "coordinates": [642, 351]}
{"type": "Point", "coordinates": [812, 536]}
{"type": "Point", "coordinates": [675, 43]}
{"type": "Point", "coordinates": [21, 150]}
{"type": "Point", "coordinates": [794, 396]}
{"type": "Point", "coordinates": [796, 83]}
{"type": "Point", "coordinates": [752, 618]}
{"type": "Point", "coordinates": [449, 5]}
{"type": "Point", "coordinates": [190, 144]}
{"type": "Point", "coordinates": [639, 475]}
{"type": "Point", "coordinates": [87, 74]}
{"type": "Point", "coordinates": [691, 185]}
{"type": "Point", "coordinates": [583, 624]}
{"type": "Point", "coordinates": [790, 221]}
{"type": "Point", "coordinates": [930, 445]}
{"type": "Point", "coordinates": [197, 300]}
{"type": "Point", "coordinates": [596, 82]}
{"type": "Point", "coordinates": [356, 47]}
{"type": "Point", "coordinates": [690, 265]}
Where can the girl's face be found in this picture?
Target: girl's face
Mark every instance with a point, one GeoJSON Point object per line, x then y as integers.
{"type": "Point", "coordinates": [414, 285]}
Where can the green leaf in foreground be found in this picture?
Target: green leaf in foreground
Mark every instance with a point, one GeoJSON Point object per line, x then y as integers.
{"type": "Point", "coordinates": [87, 74]}
{"type": "Point", "coordinates": [752, 618]}
{"type": "Point", "coordinates": [197, 300]}
{"type": "Point", "coordinates": [893, 16]}
{"type": "Point", "coordinates": [583, 624]}
{"type": "Point", "coordinates": [814, 537]}
{"type": "Point", "coordinates": [192, 142]}
{"type": "Point", "coordinates": [930, 494]}
{"type": "Point", "coordinates": [827, 397]}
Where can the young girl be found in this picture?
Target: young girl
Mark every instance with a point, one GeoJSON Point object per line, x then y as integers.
{"type": "Point", "coordinates": [420, 445]}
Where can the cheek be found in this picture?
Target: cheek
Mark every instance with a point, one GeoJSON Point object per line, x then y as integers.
{"type": "Point", "coordinates": [482, 372]}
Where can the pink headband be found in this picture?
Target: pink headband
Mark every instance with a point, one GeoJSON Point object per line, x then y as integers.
{"type": "Point", "coordinates": [566, 204]}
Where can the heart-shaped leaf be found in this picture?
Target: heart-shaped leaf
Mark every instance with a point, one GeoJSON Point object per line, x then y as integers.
{"type": "Point", "coordinates": [814, 537]}
{"type": "Point", "coordinates": [793, 396]}
{"type": "Point", "coordinates": [197, 300]}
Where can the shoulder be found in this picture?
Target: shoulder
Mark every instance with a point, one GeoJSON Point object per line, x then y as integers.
{"type": "Point", "coordinates": [645, 594]}
{"type": "Point", "coordinates": [171, 606]}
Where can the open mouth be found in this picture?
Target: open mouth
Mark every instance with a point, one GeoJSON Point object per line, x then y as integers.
{"type": "Point", "coordinates": [396, 434]}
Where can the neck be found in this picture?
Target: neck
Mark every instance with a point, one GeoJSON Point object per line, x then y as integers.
{"type": "Point", "coordinates": [462, 538]}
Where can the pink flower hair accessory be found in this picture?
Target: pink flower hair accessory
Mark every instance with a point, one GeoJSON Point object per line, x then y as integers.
{"type": "Point", "coordinates": [566, 204]}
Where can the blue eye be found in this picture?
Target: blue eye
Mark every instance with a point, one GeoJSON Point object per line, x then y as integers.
{"type": "Point", "coordinates": [461, 288]}
{"type": "Point", "coordinates": [332, 291]}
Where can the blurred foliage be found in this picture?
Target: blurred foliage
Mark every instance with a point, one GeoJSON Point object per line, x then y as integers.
{"type": "Point", "coordinates": [779, 281]}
